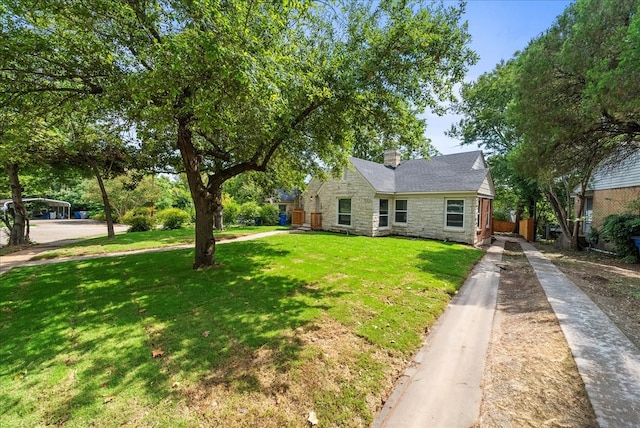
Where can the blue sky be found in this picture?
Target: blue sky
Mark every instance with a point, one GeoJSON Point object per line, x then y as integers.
{"type": "Point", "coordinates": [499, 28]}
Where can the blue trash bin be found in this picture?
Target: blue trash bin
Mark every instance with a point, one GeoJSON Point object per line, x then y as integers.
{"type": "Point", "coordinates": [283, 219]}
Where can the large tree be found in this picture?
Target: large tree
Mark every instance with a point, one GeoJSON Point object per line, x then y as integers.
{"type": "Point", "coordinates": [242, 85]}
{"type": "Point", "coordinates": [567, 130]}
{"type": "Point", "coordinates": [484, 106]}
{"type": "Point", "coordinates": [26, 142]}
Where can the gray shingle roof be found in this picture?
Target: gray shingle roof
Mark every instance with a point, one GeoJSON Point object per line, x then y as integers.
{"type": "Point", "coordinates": [449, 173]}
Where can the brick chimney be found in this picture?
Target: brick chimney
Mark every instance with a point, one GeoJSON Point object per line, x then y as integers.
{"type": "Point", "coordinates": [392, 158]}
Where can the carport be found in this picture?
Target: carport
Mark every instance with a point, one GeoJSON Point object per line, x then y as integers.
{"type": "Point", "coordinates": [54, 208]}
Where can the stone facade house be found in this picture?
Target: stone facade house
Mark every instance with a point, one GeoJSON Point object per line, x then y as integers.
{"type": "Point", "coordinates": [446, 197]}
{"type": "Point", "coordinates": [285, 200]}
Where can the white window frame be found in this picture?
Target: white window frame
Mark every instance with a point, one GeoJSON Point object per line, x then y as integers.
{"type": "Point", "coordinates": [447, 212]}
{"type": "Point", "coordinates": [350, 213]}
{"type": "Point", "coordinates": [380, 215]}
{"type": "Point", "coordinates": [396, 211]}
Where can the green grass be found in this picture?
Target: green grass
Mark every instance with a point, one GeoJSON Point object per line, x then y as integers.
{"type": "Point", "coordinates": [76, 338]}
{"type": "Point", "coordinates": [145, 240]}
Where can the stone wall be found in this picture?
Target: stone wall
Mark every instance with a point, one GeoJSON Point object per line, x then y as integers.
{"type": "Point", "coordinates": [425, 213]}
{"type": "Point", "coordinates": [323, 197]}
{"type": "Point", "coordinates": [426, 219]}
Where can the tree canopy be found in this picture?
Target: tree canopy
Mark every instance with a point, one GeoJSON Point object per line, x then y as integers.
{"type": "Point", "coordinates": [241, 86]}
{"type": "Point", "coordinates": [567, 104]}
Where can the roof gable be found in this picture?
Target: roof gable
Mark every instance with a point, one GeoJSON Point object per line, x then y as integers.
{"type": "Point", "coordinates": [461, 172]}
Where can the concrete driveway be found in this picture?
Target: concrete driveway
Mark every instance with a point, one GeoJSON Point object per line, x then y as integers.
{"type": "Point", "coordinates": [45, 231]}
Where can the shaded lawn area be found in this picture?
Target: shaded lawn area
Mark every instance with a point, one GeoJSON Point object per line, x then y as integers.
{"type": "Point", "coordinates": [285, 325]}
{"type": "Point", "coordinates": [146, 240]}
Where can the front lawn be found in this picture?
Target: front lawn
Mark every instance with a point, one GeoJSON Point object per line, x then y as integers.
{"type": "Point", "coordinates": [146, 240]}
{"type": "Point", "coordinates": [285, 325]}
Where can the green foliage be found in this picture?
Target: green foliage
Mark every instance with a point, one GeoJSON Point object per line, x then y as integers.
{"type": "Point", "coordinates": [270, 214]}
{"type": "Point", "coordinates": [618, 229]}
{"type": "Point", "coordinates": [283, 88]}
{"type": "Point", "coordinates": [634, 207]}
{"type": "Point", "coordinates": [502, 215]}
{"type": "Point", "coordinates": [140, 224]}
{"type": "Point", "coordinates": [126, 193]}
{"type": "Point", "coordinates": [593, 236]}
{"type": "Point", "coordinates": [249, 211]}
{"type": "Point", "coordinates": [139, 220]}
{"type": "Point", "coordinates": [172, 218]}
{"type": "Point", "coordinates": [230, 213]}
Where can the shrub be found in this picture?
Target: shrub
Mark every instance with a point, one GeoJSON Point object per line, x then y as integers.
{"type": "Point", "coordinates": [502, 215]}
{"type": "Point", "coordinates": [172, 218]}
{"type": "Point", "coordinates": [141, 224]}
{"type": "Point", "coordinates": [618, 229]}
{"type": "Point", "coordinates": [230, 213]}
{"type": "Point", "coordinates": [139, 220]}
{"type": "Point", "coordinates": [270, 214]}
{"type": "Point", "coordinates": [249, 211]}
{"type": "Point", "coordinates": [100, 216]}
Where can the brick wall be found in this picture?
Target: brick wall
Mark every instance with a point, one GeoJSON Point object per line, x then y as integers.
{"type": "Point", "coordinates": [612, 201]}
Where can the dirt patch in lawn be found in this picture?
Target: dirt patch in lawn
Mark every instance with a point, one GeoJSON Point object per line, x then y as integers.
{"type": "Point", "coordinates": [530, 379]}
{"type": "Point", "coordinates": [322, 371]}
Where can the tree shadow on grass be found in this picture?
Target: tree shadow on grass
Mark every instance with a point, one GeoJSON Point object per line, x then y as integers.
{"type": "Point", "coordinates": [85, 331]}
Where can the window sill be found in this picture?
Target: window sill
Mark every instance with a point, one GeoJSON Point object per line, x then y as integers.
{"type": "Point", "coordinates": [454, 229]}
{"type": "Point", "coordinates": [344, 226]}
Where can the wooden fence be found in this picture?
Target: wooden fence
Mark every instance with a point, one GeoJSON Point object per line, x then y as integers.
{"type": "Point", "coordinates": [297, 217]}
{"type": "Point", "coordinates": [503, 226]}
{"type": "Point", "coordinates": [525, 227]}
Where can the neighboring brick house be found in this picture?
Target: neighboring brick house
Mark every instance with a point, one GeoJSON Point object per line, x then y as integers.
{"type": "Point", "coordinates": [446, 197]}
{"type": "Point", "coordinates": [611, 191]}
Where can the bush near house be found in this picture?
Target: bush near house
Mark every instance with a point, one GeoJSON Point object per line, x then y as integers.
{"type": "Point", "coordinates": [139, 220]}
{"type": "Point", "coordinates": [230, 213]}
{"type": "Point", "coordinates": [249, 211]}
{"type": "Point", "coordinates": [270, 214]}
{"type": "Point", "coordinates": [618, 229]}
{"type": "Point", "coordinates": [172, 218]}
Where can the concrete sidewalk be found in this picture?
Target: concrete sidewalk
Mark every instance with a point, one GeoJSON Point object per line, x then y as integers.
{"type": "Point", "coordinates": [607, 361]}
{"type": "Point", "coordinates": [442, 387]}
{"type": "Point", "coordinates": [23, 258]}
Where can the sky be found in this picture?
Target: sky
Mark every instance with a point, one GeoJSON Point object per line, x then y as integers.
{"type": "Point", "coordinates": [498, 29]}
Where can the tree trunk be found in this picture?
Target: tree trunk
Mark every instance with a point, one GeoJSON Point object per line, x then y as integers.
{"type": "Point", "coordinates": [561, 216]}
{"type": "Point", "coordinates": [575, 242]}
{"type": "Point", "coordinates": [105, 200]}
{"type": "Point", "coordinates": [217, 209]}
{"type": "Point", "coordinates": [202, 200]}
{"type": "Point", "coordinates": [519, 211]}
{"type": "Point", "coordinates": [17, 234]}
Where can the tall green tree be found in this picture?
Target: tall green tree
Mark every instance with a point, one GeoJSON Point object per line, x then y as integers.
{"type": "Point", "coordinates": [26, 142]}
{"type": "Point", "coordinates": [97, 145]}
{"type": "Point", "coordinates": [484, 106]}
{"type": "Point", "coordinates": [242, 85]}
{"type": "Point", "coordinates": [567, 130]}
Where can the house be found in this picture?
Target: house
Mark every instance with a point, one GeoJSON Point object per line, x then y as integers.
{"type": "Point", "coordinates": [611, 191]}
{"type": "Point", "coordinates": [286, 201]}
{"type": "Point", "coordinates": [446, 197]}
